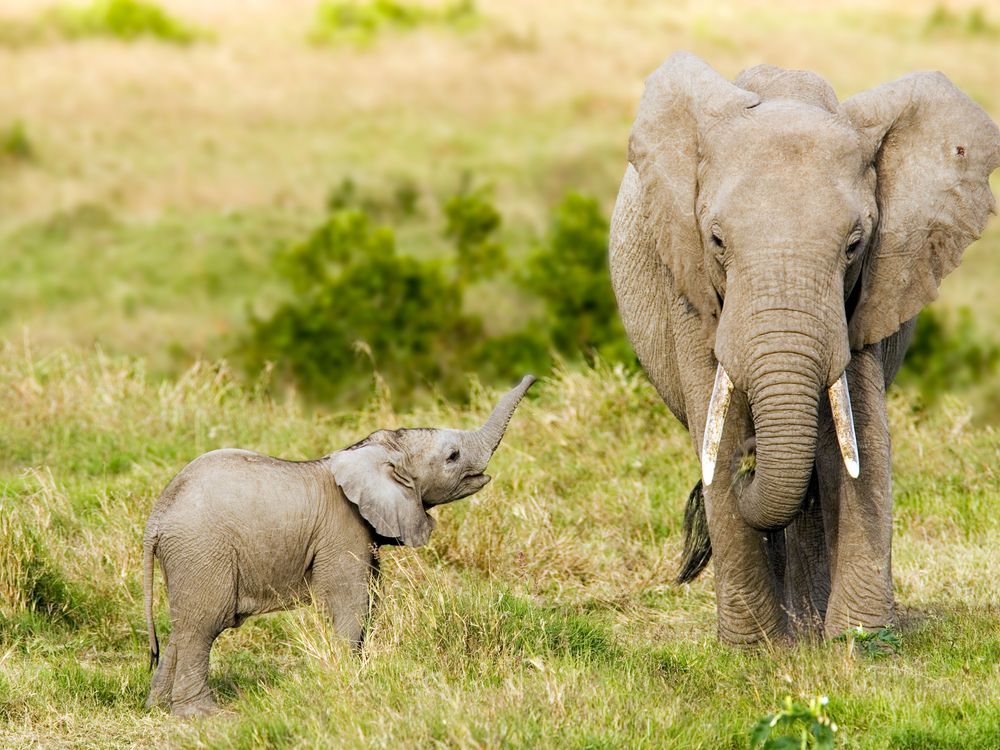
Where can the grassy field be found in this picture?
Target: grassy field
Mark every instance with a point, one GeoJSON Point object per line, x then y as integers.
{"type": "Point", "coordinates": [541, 614]}
{"type": "Point", "coordinates": [144, 190]}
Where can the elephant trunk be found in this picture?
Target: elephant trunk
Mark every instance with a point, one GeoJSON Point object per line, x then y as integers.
{"type": "Point", "coordinates": [488, 437]}
{"type": "Point", "coordinates": [785, 382]}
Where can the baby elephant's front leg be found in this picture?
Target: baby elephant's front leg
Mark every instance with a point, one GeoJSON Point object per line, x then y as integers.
{"type": "Point", "coordinates": [341, 585]}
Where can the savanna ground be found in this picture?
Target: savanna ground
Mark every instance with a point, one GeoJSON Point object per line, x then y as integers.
{"type": "Point", "coordinates": [136, 235]}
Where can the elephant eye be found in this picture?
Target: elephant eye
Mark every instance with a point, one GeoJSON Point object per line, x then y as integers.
{"type": "Point", "coordinates": [853, 247]}
{"type": "Point", "coordinates": [453, 456]}
{"type": "Point", "coordinates": [717, 237]}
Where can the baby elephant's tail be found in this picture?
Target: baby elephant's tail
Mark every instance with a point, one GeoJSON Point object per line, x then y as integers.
{"type": "Point", "coordinates": [697, 545]}
{"type": "Point", "coordinates": [148, 553]}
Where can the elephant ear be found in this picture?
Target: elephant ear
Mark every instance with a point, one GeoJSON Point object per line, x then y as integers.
{"type": "Point", "coordinates": [933, 149]}
{"type": "Point", "coordinates": [372, 478]}
{"type": "Point", "coordinates": [683, 98]}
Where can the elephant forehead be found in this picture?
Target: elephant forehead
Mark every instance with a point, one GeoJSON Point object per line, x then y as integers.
{"type": "Point", "coordinates": [787, 135]}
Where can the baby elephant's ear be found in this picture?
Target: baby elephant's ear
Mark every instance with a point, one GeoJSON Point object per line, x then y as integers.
{"type": "Point", "coordinates": [369, 478]}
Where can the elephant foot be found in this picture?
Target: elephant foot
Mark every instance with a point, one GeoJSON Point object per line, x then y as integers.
{"type": "Point", "coordinates": [158, 700]}
{"type": "Point", "coordinates": [204, 706]}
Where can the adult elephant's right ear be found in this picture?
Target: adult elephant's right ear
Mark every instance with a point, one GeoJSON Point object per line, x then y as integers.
{"type": "Point", "coordinates": [369, 476]}
{"type": "Point", "coordinates": [684, 97]}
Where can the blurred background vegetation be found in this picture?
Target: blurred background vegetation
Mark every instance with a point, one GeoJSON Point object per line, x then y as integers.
{"type": "Point", "coordinates": [319, 191]}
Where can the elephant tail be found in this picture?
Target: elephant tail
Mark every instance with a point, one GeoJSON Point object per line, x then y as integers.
{"type": "Point", "coordinates": [697, 545]}
{"type": "Point", "coordinates": [148, 553]}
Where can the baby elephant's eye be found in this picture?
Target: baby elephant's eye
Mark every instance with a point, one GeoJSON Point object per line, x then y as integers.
{"type": "Point", "coordinates": [453, 456]}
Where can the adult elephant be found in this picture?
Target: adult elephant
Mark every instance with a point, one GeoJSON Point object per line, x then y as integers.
{"type": "Point", "coordinates": [770, 250]}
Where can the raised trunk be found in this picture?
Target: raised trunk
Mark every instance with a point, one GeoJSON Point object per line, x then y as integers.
{"type": "Point", "coordinates": [785, 378]}
{"type": "Point", "coordinates": [488, 437]}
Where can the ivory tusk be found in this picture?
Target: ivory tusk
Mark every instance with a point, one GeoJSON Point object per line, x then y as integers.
{"type": "Point", "coordinates": [843, 420]}
{"type": "Point", "coordinates": [722, 393]}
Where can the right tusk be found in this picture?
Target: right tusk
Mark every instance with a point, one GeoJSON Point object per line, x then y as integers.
{"type": "Point", "coordinates": [843, 420]}
{"type": "Point", "coordinates": [722, 393]}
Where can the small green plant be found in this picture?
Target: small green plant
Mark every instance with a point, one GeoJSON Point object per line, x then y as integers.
{"type": "Point", "coordinates": [872, 644]}
{"type": "Point", "coordinates": [122, 19]}
{"type": "Point", "coordinates": [796, 725]}
{"type": "Point", "coordinates": [403, 203]}
{"type": "Point", "coordinates": [359, 21]}
{"type": "Point", "coordinates": [972, 23]}
{"type": "Point", "coordinates": [15, 145]}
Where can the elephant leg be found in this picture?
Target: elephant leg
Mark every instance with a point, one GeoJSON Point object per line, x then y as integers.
{"type": "Point", "coordinates": [163, 679]}
{"type": "Point", "coordinates": [858, 512]}
{"type": "Point", "coordinates": [191, 695]}
{"type": "Point", "coordinates": [341, 586]}
{"type": "Point", "coordinates": [807, 568]}
{"type": "Point", "coordinates": [747, 581]}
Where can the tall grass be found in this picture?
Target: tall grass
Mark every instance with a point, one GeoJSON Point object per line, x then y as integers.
{"type": "Point", "coordinates": [541, 614]}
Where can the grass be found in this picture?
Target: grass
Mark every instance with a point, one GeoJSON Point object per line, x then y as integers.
{"type": "Point", "coordinates": [541, 614]}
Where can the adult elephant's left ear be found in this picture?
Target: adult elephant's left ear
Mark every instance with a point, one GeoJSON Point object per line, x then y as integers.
{"type": "Point", "coordinates": [933, 149]}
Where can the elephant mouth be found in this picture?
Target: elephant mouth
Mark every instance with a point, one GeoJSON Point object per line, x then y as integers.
{"type": "Point", "coordinates": [469, 484]}
{"type": "Point", "coordinates": [718, 405]}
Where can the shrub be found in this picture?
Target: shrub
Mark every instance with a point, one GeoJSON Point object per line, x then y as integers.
{"type": "Point", "coordinates": [948, 353]}
{"type": "Point", "coordinates": [356, 306]}
{"type": "Point", "coordinates": [15, 144]}
{"type": "Point", "coordinates": [354, 295]}
{"type": "Point", "coordinates": [570, 272]}
{"type": "Point", "coordinates": [122, 19]}
{"type": "Point", "coordinates": [472, 223]}
{"type": "Point", "coordinates": [360, 22]}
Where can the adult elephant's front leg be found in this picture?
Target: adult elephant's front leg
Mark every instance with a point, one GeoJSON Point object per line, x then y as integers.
{"type": "Point", "coordinates": [858, 512]}
{"type": "Point", "coordinates": [748, 563]}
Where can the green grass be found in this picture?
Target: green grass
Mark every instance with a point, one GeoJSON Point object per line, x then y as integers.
{"type": "Point", "coordinates": [541, 614]}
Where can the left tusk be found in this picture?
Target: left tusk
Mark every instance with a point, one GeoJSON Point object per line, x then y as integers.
{"type": "Point", "coordinates": [718, 405]}
{"type": "Point", "coordinates": [843, 420]}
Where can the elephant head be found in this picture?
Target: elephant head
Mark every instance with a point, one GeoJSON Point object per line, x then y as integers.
{"type": "Point", "coordinates": [799, 229]}
{"type": "Point", "coordinates": [394, 476]}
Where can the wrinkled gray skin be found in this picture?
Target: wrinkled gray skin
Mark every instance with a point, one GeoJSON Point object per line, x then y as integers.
{"type": "Point", "coordinates": [238, 534]}
{"type": "Point", "coordinates": [768, 227]}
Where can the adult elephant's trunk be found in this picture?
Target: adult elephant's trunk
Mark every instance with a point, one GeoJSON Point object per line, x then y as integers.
{"type": "Point", "coordinates": [783, 363]}
{"type": "Point", "coordinates": [783, 392]}
{"type": "Point", "coordinates": [487, 437]}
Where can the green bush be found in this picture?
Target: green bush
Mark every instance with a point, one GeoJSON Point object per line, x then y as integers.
{"type": "Point", "coordinates": [795, 725]}
{"type": "Point", "coordinates": [472, 224]}
{"type": "Point", "coordinates": [15, 144]}
{"type": "Point", "coordinates": [122, 19]}
{"type": "Point", "coordinates": [358, 306]}
{"type": "Point", "coordinates": [360, 22]}
{"type": "Point", "coordinates": [570, 273]}
{"type": "Point", "coordinates": [948, 353]}
{"type": "Point", "coordinates": [355, 306]}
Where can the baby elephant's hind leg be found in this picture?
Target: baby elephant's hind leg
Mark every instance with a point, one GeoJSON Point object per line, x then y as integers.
{"type": "Point", "coordinates": [191, 695]}
{"type": "Point", "coordinates": [163, 679]}
{"type": "Point", "coordinates": [341, 587]}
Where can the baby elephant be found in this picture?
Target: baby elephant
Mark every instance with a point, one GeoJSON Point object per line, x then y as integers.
{"type": "Point", "coordinates": [238, 534]}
